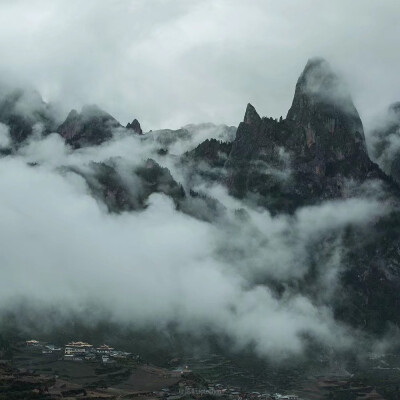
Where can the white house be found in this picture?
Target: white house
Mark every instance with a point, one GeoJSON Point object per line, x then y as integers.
{"type": "Point", "coordinates": [32, 343]}
{"type": "Point", "coordinates": [104, 349]}
{"type": "Point", "coordinates": [77, 348]}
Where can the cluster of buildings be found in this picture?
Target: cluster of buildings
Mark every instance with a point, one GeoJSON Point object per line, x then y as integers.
{"type": "Point", "coordinates": [81, 351]}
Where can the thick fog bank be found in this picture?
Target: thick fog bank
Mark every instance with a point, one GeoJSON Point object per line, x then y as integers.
{"type": "Point", "coordinates": [62, 249]}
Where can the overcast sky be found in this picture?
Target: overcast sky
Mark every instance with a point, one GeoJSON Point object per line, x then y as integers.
{"type": "Point", "coordinates": [173, 62]}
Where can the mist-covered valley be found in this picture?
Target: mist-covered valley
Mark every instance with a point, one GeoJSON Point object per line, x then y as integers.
{"type": "Point", "coordinates": [278, 236]}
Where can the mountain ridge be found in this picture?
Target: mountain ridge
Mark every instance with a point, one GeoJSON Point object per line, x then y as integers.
{"type": "Point", "coordinates": [316, 154]}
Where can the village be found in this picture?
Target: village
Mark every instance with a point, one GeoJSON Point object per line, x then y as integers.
{"type": "Point", "coordinates": [81, 351]}
{"type": "Point", "coordinates": [79, 369]}
{"type": "Point", "coordinates": [148, 381]}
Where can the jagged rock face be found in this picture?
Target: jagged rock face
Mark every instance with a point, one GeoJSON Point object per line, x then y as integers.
{"type": "Point", "coordinates": [386, 148]}
{"type": "Point", "coordinates": [327, 126]}
{"type": "Point", "coordinates": [135, 126]}
{"type": "Point", "coordinates": [107, 185]}
{"type": "Point", "coordinates": [307, 156]}
{"type": "Point", "coordinates": [156, 179]}
{"type": "Point", "coordinates": [22, 110]}
{"type": "Point", "coordinates": [206, 161]}
{"type": "Point", "coordinates": [92, 126]}
{"type": "Point", "coordinates": [212, 151]}
{"type": "Point", "coordinates": [123, 188]}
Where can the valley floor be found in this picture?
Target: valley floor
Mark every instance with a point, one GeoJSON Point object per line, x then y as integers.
{"type": "Point", "coordinates": [33, 375]}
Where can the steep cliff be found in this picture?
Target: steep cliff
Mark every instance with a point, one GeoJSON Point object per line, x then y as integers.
{"type": "Point", "coordinates": [307, 157]}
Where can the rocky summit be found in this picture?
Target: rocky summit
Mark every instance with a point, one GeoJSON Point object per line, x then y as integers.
{"type": "Point", "coordinates": [309, 155]}
{"type": "Point", "coordinates": [135, 126]}
{"type": "Point", "coordinates": [92, 126]}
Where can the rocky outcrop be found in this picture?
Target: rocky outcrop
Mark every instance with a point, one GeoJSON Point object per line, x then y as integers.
{"type": "Point", "coordinates": [107, 186]}
{"type": "Point", "coordinates": [157, 179]}
{"type": "Point", "coordinates": [123, 188]}
{"type": "Point", "coordinates": [135, 127]}
{"type": "Point", "coordinates": [206, 161]}
{"type": "Point", "coordinates": [212, 151]}
{"type": "Point", "coordinates": [328, 135]}
{"type": "Point", "coordinates": [309, 155]}
{"type": "Point", "coordinates": [91, 127]}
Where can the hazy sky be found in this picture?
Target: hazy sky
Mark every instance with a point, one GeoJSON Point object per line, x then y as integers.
{"type": "Point", "coordinates": [173, 62]}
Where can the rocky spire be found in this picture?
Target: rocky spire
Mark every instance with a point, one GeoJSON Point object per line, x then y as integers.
{"type": "Point", "coordinates": [135, 126]}
{"type": "Point", "coordinates": [251, 116]}
{"type": "Point", "coordinates": [321, 142]}
{"type": "Point", "coordinates": [324, 114]}
{"type": "Point", "coordinates": [320, 91]}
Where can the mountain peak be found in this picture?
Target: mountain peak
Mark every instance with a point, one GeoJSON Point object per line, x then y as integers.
{"type": "Point", "coordinates": [322, 100]}
{"type": "Point", "coordinates": [322, 137]}
{"type": "Point", "coordinates": [317, 75]}
{"type": "Point", "coordinates": [319, 86]}
{"type": "Point", "coordinates": [135, 126]}
{"type": "Point", "coordinates": [73, 114]}
{"type": "Point", "coordinates": [251, 116]}
{"type": "Point", "coordinates": [317, 63]}
{"type": "Point", "coordinates": [92, 126]}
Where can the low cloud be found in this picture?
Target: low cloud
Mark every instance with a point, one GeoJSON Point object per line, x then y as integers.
{"type": "Point", "coordinates": [5, 140]}
{"type": "Point", "coordinates": [385, 142]}
{"type": "Point", "coordinates": [158, 266]}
